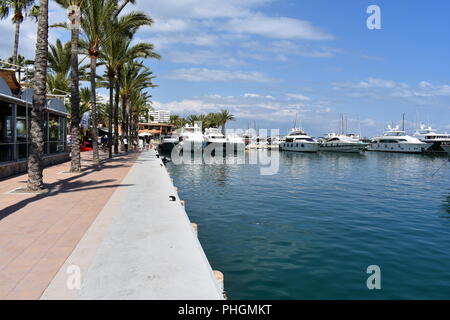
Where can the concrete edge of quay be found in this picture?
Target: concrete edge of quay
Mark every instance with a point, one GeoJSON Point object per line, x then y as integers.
{"type": "Point", "coordinates": [140, 246]}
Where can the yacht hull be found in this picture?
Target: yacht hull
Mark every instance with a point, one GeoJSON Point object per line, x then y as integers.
{"type": "Point", "coordinates": [446, 148]}
{"type": "Point", "coordinates": [191, 146]}
{"type": "Point", "coordinates": [343, 147]}
{"type": "Point", "coordinates": [399, 148]}
{"type": "Point", "coordinates": [167, 146]}
{"type": "Point", "coordinates": [300, 146]}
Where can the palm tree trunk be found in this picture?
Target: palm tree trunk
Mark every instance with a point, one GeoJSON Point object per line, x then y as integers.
{"type": "Point", "coordinates": [75, 164]}
{"type": "Point", "coordinates": [16, 41]}
{"type": "Point", "coordinates": [124, 119]}
{"type": "Point", "coordinates": [94, 110]}
{"type": "Point", "coordinates": [35, 178]}
{"type": "Point", "coordinates": [110, 114]}
{"type": "Point", "coordinates": [116, 114]}
{"type": "Point", "coordinates": [127, 124]}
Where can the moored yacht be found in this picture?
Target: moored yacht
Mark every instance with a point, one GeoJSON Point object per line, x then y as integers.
{"type": "Point", "coordinates": [342, 143]}
{"type": "Point", "coordinates": [298, 140]}
{"type": "Point", "coordinates": [395, 140]}
{"type": "Point", "coordinates": [428, 135]}
{"type": "Point", "coordinates": [191, 138]}
{"type": "Point", "coordinates": [235, 142]}
{"type": "Point", "coordinates": [168, 142]}
{"type": "Point", "coordinates": [214, 138]}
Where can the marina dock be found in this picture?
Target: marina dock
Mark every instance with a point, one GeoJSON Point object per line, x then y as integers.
{"type": "Point", "coordinates": [141, 245]}
{"type": "Point", "coordinates": [110, 234]}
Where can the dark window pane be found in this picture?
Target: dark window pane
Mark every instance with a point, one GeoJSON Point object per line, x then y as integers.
{"type": "Point", "coordinates": [6, 152]}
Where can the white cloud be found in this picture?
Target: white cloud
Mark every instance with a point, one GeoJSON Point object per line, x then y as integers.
{"type": "Point", "coordinates": [297, 96]}
{"type": "Point", "coordinates": [276, 27]}
{"type": "Point", "coordinates": [204, 74]}
{"type": "Point", "coordinates": [170, 25]}
{"type": "Point", "coordinates": [201, 9]}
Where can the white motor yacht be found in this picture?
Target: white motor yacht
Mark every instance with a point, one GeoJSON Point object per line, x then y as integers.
{"type": "Point", "coordinates": [395, 140]}
{"type": "Point", "coordinates": [191, 138]}
{"type": "Point", "coordinates": [168, 142]}
{"type": "Point", "coordinates": [214, 137]}
{"type": "Point", "coordinates": [235, 142]}
{"type": "Point", "coordinates": [429, 135]}
{"type": "Point", "coordinates": [342, 143]}
{"type": "Point", "coordinates": [298, 140]}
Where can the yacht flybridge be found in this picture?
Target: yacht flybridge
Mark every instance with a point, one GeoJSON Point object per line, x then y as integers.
{"type": "Point", "coordinates": [342, 143]}
{"type": "Point", "coordinates": [395, 140]}
{"type": "Point", "coordinates": [298, 140]}
{"type": "Point", "coordinates": [428, 135]}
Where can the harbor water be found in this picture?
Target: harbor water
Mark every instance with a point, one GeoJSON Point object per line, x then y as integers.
{"type": "Point", "coordinates": [312, 230]}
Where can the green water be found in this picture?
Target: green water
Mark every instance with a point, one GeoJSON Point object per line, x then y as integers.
{"type": "Point", "coordinates": [311, 230]}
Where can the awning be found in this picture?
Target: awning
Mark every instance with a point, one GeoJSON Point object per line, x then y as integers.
{"type": "Point", "coordinates": [10, 99]}
{"type": "Point", "coordinates": [9, 76]}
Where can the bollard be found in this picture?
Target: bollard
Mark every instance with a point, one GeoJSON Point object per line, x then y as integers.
{"type": "Point", "coordinates": [182, 202]}
{"type": "Point", "coordinates": [195, 229]}
{"type": "Point", "coordinates": [219, 278]}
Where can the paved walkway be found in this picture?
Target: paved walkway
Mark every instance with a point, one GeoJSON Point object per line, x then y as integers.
{"type": "Point", "coordinates": [39, 232]}
{"type": "Point", "coordinates": [141, 246]}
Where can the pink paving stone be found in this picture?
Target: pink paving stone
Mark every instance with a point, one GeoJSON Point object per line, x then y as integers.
{"type": "Point", "coordinates": [39, 235]}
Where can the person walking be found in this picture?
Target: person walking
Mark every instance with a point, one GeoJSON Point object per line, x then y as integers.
{"type": "Point", "coordinates": [125, 142]}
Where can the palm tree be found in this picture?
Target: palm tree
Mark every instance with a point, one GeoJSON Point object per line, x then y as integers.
{"type": "Point", "coordinates": [117, 50]}
{"type": "Point", "coordinates": [20, 8]}
{"type": "Point", "coordinates": [212, 120]}
{"type": "Point", "coordinates": [193, 118]}
{"type": "Point", "coordinates": [59, 57]}
{"type": "Point", "coordinates": [35, 178]}
{"type": "Point", "coordinates": [224, 116]}
{"type": "Point", "coordinates": [21, 62]}
{"type": "Point", "coordinates": [75, 164]}
{"type": "Point", "coordinates": [177, 121]}
{"type": "Point", "coordinates": [134, 76]}
{"type": "Point", "coordinates": [95, 23]}
{"type": "Point", "coordinates": [139, 104]}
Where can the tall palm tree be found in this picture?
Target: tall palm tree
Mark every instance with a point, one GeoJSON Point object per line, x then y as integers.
{"type": "Point", "coordinates": [224, 116]}
{"type": "Point", "coordinates": [117, 50]}
{"type": "Point", "coordinates": [35, 178]}
{"type": "Point", "coordinates": [134, 76]}
{"type": "Point", "coordinates": [75, 164]}
{"type": "Point", "coordinates": [95, 24]}
{"type": "Point", "coordinates": [139, 104]}
{"type": "Point", "coordinates": [20, 9]}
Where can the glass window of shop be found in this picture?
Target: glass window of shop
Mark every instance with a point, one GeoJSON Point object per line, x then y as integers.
{"type": "Point", "coordinates": [56, 134]}
{"type": "Point", "coordinates": [21, 132]}
{"type": "Point", "coordinates": [6, 132]}
{"type": "Point", "coordinates": [15, 124]}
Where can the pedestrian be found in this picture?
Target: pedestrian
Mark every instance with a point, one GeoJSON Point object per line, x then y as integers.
{"type": "Point", "coordinates": [125, 143]}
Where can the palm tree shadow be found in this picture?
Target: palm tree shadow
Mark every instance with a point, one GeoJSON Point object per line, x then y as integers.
{"type": "Point", "coordinates": [69, 185]}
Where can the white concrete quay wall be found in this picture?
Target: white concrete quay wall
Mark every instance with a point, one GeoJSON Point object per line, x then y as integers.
{"type": "Point", "coordinates": [148, 249]}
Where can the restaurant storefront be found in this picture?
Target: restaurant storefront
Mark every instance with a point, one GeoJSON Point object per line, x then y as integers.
{"type": "Point", "coordinates": [15, 122]}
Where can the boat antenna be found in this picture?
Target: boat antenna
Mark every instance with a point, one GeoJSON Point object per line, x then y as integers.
{"type": "Point", "coordinates": [295, 122]}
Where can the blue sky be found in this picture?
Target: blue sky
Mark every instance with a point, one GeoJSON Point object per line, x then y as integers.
{"type": "Point", "coordinates": [270, 60]}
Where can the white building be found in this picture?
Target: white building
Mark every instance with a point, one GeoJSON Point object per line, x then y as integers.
{"type": "Point", "coordinates": [160, 116]}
